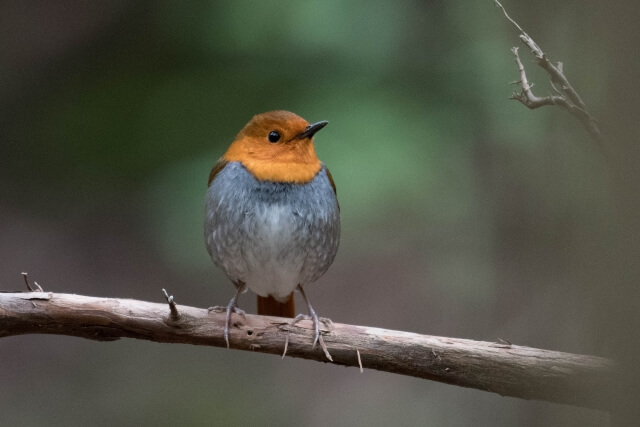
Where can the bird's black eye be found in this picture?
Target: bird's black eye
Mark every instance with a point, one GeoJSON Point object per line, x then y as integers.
{"type": "Point", "coordinates": [274, 136]}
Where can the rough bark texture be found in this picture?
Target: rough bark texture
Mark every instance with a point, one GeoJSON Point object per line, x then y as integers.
{"type": "Point", "coordinates": [502, 368]}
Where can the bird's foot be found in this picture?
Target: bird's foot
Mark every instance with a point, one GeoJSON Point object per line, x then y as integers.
{"type": "Point", "coordinates": [316, 324]}
{"type": "Point", "coordinates": [231, 307]}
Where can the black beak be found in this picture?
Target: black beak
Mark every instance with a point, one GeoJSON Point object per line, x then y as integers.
{"type": "Point", "coordinates": [312, 129]}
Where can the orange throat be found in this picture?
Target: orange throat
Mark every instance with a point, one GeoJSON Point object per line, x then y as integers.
{"type": "Point", "coordinates": [290, 163]}
{"type": "Point", "coordinates": [297, 173]}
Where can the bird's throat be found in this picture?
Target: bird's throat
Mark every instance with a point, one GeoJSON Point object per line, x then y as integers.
{"type": "Point", "coordinates": [289, 172]}
{"type": "Point", "coordinates": [290, 163]}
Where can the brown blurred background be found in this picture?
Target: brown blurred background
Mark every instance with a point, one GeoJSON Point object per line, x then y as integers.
{"type": "Point", "coordinates": [464, 214]}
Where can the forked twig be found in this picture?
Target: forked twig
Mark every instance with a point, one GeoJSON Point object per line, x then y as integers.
{"type": "Point", "coordinates": [567, 97]}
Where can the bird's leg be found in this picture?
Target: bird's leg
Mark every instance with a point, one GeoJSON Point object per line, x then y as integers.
{"type": "Point", "coordinates": [231, 307]}
{"type": "Point", "coordinates": [312, 316]}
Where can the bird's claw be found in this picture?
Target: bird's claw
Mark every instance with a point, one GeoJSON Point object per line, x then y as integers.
{"type": "Point", "coordinates": [300, 317]}
{"type": "Point", "coordinates": [227, 323]}
{"type": "Point", "coordinates": [242, 313]}
{"type": "Point", "coordinates": [316, 324]}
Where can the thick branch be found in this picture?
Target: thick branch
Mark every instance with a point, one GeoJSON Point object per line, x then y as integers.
{"type": "Point", "coordinates": [501, 368]}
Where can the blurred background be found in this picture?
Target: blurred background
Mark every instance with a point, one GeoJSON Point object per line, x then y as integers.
{"type": "Point", "coordinates": [464, 214]}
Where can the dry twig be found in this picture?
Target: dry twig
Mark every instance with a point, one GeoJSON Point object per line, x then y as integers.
{"type": "Point", "coordinates": [172, 305]}
{"type": "Point", "coordinates": [566, 96]}
{"type": "Point", "coordinates": [31, 289]}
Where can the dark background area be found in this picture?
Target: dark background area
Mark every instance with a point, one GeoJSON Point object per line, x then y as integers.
{"type": "Point", "coordinates": [463, 213]}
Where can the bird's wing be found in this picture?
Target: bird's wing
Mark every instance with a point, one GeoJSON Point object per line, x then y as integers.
{"type": "Point", "coordinates": [220, 164]}
{"type": "Point", "coordinates": [333, 185]}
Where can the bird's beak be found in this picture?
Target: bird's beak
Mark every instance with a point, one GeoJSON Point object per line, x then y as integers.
{"type": "Point", "coordinates": [312, 129]}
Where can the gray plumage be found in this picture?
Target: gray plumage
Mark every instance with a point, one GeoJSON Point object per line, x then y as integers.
{"type": "Point", "coordinates": [271, 236]}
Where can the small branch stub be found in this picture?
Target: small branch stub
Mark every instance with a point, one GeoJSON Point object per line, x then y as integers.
{"type": "Point", "coordinates": [172, 305]}
{"type": "Point", "coordinates": [286, 345]}
{"type": "Point", "coordinates": [29, 287]}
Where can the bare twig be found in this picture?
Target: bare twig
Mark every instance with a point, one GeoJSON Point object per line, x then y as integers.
{"type": "Point", "coordinates": [26, 281]}
{"type": "Point", "coordinates": [512, 370]}
{"type": "Point", "coordinates": [523, 36]}
{"type": "Point", "coordinates": [526, 96]}
{"type": "Point", "coordinates": [359, 361]}
{"type": "Point", "coordinates": [172, 305]}
{"type": "Point", "coordinates": [567, 97]}
{"type": "Point", "coordinates": [286, 345]}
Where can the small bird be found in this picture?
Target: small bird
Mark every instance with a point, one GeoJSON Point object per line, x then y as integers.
{"type": "Point", "coordinates": [272, 220]}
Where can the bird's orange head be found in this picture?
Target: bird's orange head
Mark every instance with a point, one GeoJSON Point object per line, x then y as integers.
{"type": "Point", "coordinates": [277, 146]}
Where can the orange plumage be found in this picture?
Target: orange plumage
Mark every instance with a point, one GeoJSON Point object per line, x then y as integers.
{"type": "Point", "coordinates": [294, 160]}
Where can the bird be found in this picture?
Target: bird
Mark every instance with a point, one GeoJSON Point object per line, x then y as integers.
{"type": "Point", "coordinates": [272, 217]}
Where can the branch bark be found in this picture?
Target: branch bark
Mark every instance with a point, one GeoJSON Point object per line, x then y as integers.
{"type": "Point", "coordinates": [502, 368]}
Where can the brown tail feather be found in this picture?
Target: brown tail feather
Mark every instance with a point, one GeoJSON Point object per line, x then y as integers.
{"type": "Point", "coordinates": [268, 306]}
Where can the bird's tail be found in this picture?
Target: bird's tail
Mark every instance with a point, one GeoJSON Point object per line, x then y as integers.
{"type": "Point", "coordinates": [269, 306]}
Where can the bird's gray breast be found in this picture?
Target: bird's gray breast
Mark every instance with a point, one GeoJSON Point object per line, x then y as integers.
{"type": "Point", "coordinates": [272, 236]}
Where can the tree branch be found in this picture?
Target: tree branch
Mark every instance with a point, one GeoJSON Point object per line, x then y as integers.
{"type": "Point", "coordinates": [502, 368]}
{"type": "Point", "coordinates": [566, 97]}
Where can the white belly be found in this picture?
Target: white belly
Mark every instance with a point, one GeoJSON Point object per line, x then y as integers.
{"type": "Point", "coordinates": [273, 255]}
